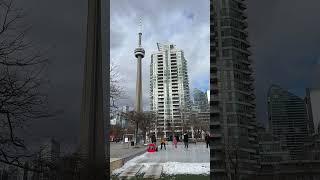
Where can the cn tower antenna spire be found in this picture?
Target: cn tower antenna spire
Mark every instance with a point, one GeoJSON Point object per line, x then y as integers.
{"type": "Point", "coordinates": [140, 31]}
{"type": "Point", "coordinates": [140, 25]}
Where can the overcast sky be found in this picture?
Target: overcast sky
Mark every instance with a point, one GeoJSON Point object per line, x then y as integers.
{"type": "Point", "coordinates": [183, 23]}
{"type": "Point", "coordinates": [284, 35]}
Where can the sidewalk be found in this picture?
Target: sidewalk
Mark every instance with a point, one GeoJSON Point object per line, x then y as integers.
{"type": "Point", "coordinates": [121, 153]}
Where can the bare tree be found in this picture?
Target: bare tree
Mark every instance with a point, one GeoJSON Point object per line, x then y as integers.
{"type": "Point", "coordinates": [147, 123]}
{"type": "Point", "coordinates": [184, 118]}
{"type": "Point", "coordinates": [21, 80]}
{"type": "Point", "coordinates": [135, 119]}
{"type": "Point", "coordinates": [141, 120]}
{"type": "Point", "coordinates": [116, 90]}
{"type": "Point", "coordinates": [232, 150]}
{"type": "Point", "coordinates": [117, 131]}
{"type": "Point", "coordinates": [198, 124]}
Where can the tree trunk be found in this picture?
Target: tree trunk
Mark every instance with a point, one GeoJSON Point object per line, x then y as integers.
{"type": "Point", "coordinates": [136, 133]}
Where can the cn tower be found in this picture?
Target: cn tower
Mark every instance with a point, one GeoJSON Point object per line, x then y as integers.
{"type": "Point", "coordinates": [139, 54]}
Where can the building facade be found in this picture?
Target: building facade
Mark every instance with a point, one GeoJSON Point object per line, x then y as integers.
{"type": "Point", "coordinates": [232, 99]}
{"type": "Point", "coordinates": [313, 109]}
{"type": "Point", "coordinates": [50, 151]}
{"type": "Point", "coordinates": [119, 119]}
{"type": "Point", "coordinates": [275, 161]}
{"type": "Point", "coordinates": [169, 85]}
{"type": "Point", "coordinates": [288, 119]}
{"type": "Point", "coordinates": [200, 101]}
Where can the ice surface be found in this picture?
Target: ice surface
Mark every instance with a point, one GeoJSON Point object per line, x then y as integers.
{"type": "Point", "coordinates": [195, 160]}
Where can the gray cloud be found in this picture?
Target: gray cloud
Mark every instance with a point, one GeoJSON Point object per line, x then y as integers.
{"type": "Point", "coordinates": [185, 24]}
{"type": "Point", "coordinates": [285, 44]}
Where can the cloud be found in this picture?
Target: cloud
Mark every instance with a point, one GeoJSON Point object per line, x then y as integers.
{"type": "Point", "coordinates": [285, 43]}
{"type": "Point", "coordinates": [185, 24]}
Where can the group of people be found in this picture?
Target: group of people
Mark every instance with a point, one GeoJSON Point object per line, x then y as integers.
{"type": "Point", "coordinates": [175, 141]}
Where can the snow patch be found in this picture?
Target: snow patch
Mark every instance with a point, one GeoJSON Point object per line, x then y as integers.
{"type": "Point", "coordinates": [172, 168]}
{"type": "Point", "coordinates": [128, 164]}
{"type": "Point", "coordinates": [169, 168]}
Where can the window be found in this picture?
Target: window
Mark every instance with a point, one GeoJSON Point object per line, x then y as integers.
{"type": "Point", "coordinates": [230, 96]}
{"type": "Point", "coordinates": [229, 107]}
{"type": "Point", "coordinates": [226, 52]}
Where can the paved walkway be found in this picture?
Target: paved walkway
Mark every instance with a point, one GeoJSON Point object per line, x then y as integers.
{"type": "Point", "coordinates": [118, 150]}
{"type": "Point", "coordinates": [153, 164]}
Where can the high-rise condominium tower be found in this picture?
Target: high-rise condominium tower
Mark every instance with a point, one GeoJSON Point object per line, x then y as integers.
{"type": "Point", "coordinates": [288, 119]}
{"type": "Point", "coordinates": [232, 103]}
{"type": "Point", "coordinates": [169, 84]}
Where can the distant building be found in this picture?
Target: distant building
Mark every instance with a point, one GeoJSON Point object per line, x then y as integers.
{"type": "Point", "coordinates": [288, 119]}
{"type": "Point", "coordinates": [200, 101]}
{"type": "Point", "coordinates": [275, 163]}
{"type": "Point", "coordinates": [313, 109]}
{"type": "Point", "coordinates": [311, 147]}
{"type": "Point", "coordinates": [50, 151]}
{"type": "Point", "coordinates": [125, 109]}
{"type": "Point", "coordinates": [271, 149]}
{"type": "Point", "coordinates": [169, 85]}
{"type": "Point", "coordinates": [120, 120]}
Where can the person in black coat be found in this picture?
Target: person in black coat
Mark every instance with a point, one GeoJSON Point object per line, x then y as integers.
{"type": "Point", "coordinates": [207, 139]}
{"type": "Point", "coordinates": [186, 140]}
{"type": "Point", "coordinates": [153, 139]}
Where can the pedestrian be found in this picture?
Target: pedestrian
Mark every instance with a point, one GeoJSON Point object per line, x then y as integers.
{"type": "Point", "coordinates": [185, 140]}
{"type": "Point", "coordinates": [207, 139]}
{"type": "Point", "coordinates": [163, 142]}
{"type": "Point", "coordinates": [175, 142]}
{"type": "Point", "coordinates": [153, 139]}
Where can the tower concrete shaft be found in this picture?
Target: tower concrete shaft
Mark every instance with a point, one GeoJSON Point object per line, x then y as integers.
{"type": "Point", "coordinates": [139, 86]}
{"type": "Point", "coordinates": [139, 54]}
{"type": "Point", "coordinates": [92, 141]}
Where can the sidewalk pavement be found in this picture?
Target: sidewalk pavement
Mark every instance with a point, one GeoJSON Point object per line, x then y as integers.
{"type": "Point", "coordinates": [121, 153]}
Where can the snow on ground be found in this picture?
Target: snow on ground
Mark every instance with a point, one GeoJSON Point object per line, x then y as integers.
{"type": "Point", "coordinates": [172, 168]}
{"type": "Point", "coordinates": [128, 164]}
{"type": "Point", "coordinates": [169, 168]}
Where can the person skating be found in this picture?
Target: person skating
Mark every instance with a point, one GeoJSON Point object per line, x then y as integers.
{"type": "Point", "coordinates": [175, 142]}
{"type": "Point", "coordinates": [185, 140]}
{"type": "Point", "coordinates": [207, 139]}
{"type": "Point", "coordinates": [163, 142]}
